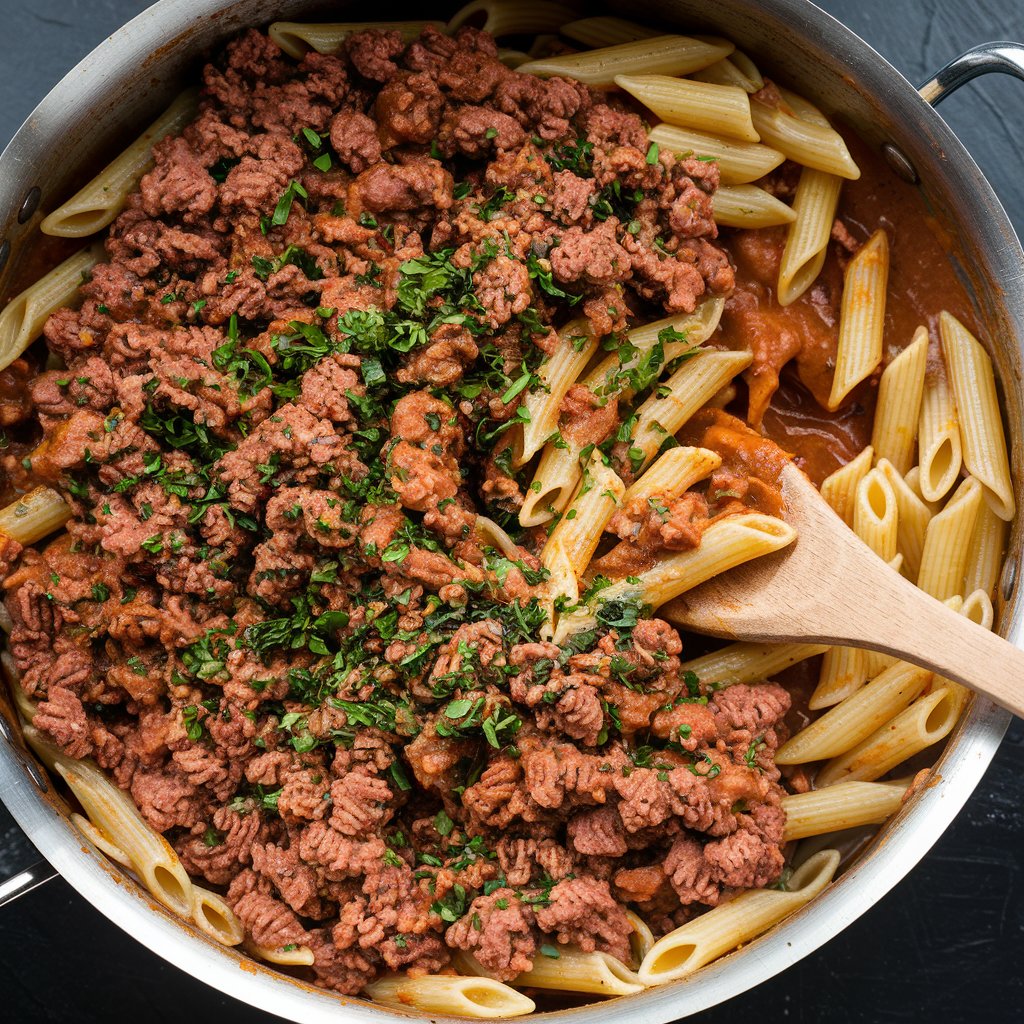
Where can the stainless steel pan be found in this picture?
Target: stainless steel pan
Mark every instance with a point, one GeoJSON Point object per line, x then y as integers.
{"type": "Point", "coordinates": [120, 86]}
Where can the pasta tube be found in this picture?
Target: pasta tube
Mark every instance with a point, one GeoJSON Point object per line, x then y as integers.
{"type": "Point", "coordinates": [575, 971]}
{"type": "Point", "coordinates": [875, 515]}
{"type": "Point", "coordinates": [840, 806]}
{"type": "Point", "coordinates": [985, 553]}
{"type": "Point", "coordinates": [96, 205]}
{"type": "Point", "coordinates": [297, 38]}
{"type": "Point", "coordinates": [861, 317]}
{"type": "Point", "coordinates": [947, 542]}
{"type": "Point", "coordinates": [940, 452]}
{"type": "Point", "coordinates": [748, 662]}
{"type": "Point", "coordinates": [840, 489]}
{"type": "Point", "coordinates": [450, 994]}
{"type": "Point", "coordinates": [215, 918]}
{"type": "Point", "coordinates": [34, 516]}
{"type": "Point", "coordinates": [844, 670]}
{"type": "Point", "coordinates": [22, 319]}
{"type": "Point", "coordinates": [298, 956]}
{"type": "Point", "coordinates": [731, 924]}
{"type": "Point", "coordinates": [814, 211]}
{"type": "Point", "coordinates": [848, 723]}
{"type": "Point", "coordinates": [737, 69]}
{"type": "Point", "coordinates": [747, 206]}
{"type": "Point", "coordinates": [812, 145]}
{"type": "Point", "coordinates": [899, 404]}
{"type": "Point", "coordinates": [738, 162]}
{"type": "Point", "coordinates": [981, 423]}
{"type": "Point", "coordinates": [99, 839]}
{"type": "Point", "coordinates": [673, 473]}
{"type": "Point", "coordinates": [720, 109]}
{"type": "Point", "coordinates": [912, 518]}
{"type": "Point", "coordinates": [664, 55]}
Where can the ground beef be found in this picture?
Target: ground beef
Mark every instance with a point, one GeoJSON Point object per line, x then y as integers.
{"type": "Point", "coordinates": [293, 614]}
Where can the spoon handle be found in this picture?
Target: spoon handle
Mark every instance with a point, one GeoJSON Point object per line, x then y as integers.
{"type": "Point", "coordinates": [884, 612]}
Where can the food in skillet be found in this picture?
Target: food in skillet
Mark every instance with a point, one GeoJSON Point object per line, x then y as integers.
{"type": "Point", "coordinates": [408, 388]}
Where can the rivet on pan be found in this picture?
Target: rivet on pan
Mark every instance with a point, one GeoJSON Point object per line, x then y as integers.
{"type": "Point", "coordinates": [1009, 579]}
{"type": "Point", "coordinates": [899, 162]}
{"type": "Point", "coordinates": [29, 204]}
{"type": "Point", "coordinates": [5, 253]}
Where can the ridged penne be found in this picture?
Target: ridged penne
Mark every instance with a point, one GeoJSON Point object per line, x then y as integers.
{"type": "Point", "coordinates": [748, 662]}
{"type": "Point", "coordinates": [665, 412]}
{"type": "Point", "coordinates": [736, 69]}
{"type": "Point", "coordinates": [841, 806]}
{"type": "Point", "coordinates": [576, 345]}
{"type": "Point", "coordinates": [100, 839]}
{"type": "Point", "coordinates": [986, 552]}
{"type": "Point", "coordinates": [912, 518]}
{"type": "Point", "coordinates": [477, 997]}
{"type": "Point", "coordinates": [861, 317]}
{"type": "Point", "coordinates": [214, 917]}
{"type": "Point", "coordinates": [898, 409]}
{"type": "Point", "coordinates": [512, 17]}
{"type": "Point", "coordinates": [575, 971]}
{"type": "Point", "coordinates": [929, 719]}
{"type": "Point", "coordinates": [814, 211]}
{"type": "Point", "coordinates": [34, 515]}
{"type": "Point", "coordinates": [947, 542]}
{"type": "Point", "coordinates": [875, 517]}
{"type": "Point", "coordinates": [844, 670]}
{"type": "Point", "coordinates": [940, 453]}
{"type": "Point", "coordinates": [719, 109]}
{"type": "Point", "coordinates": [283, 956]}
{"type": "Point", "coordinates": [96, 204]}
{"type": "Point", "coordinates": [673, 473]}
{"type": "Point", "coordinates": [809, 144]}
{"type": "Point", "coordinates": [662, 55]}
{"type": "Point", "coordinates": [606, 31]}
{"type": "Point", "coordinates": [731, 924]}
{"type": "Point", "coordinates": [22, 319]}
{"type": "Point", "coordinates": [747, 206]}
{"type": "Point", "coordinates": [297, 38]}
{"type": "Point", "coordinates": [840, 488]}
{"type": "Point", "coordinates": [854, 719]}
{"type": "Point", "coordinates": [981, 424]}
{"type": "Point", "coordinates": [738, 162]}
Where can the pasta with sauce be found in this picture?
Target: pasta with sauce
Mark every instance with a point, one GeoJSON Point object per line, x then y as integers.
{"type": "Point", "coordinates": [333, 555]}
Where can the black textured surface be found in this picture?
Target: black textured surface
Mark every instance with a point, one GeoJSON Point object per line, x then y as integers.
{"type": "Point", "coordinates": [947, 944]}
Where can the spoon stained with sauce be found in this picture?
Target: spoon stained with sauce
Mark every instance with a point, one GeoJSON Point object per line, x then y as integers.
{"type": "Point", "coordinates": [828, 587]}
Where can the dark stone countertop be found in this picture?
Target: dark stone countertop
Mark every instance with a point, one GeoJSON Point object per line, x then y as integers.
{"type": "Point", "coordinates": [947, 943]}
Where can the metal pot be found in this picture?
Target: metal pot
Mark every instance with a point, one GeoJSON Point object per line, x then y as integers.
{"type": "Point", "coordinates": [120, 86]}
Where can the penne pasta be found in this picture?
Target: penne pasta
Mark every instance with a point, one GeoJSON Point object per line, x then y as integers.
{"type": "Point", "coordinates": [912, 518]}
{"type": "Point", "coordinates": [737, 69]}
{"type": "Point", "coordinates": [719, 109]}
{"type": "Point", "coordinates": [985, 552]}
{"type": "Point", "coordinates": [861, 317]}
{"type": "Point", "coordinates": [96, 204]}
{"type": "Point", "coordinates": [33, 516]}
{"type": "Point", "coordinates": [854, 719]}
{"type": "Point", "coordinates": [747, 206]}
{"type": "Point", "coordinates": [747, 662]}
{"type": "Point", "coordinates": [738, 162]}
{"type": "Point", "coordinates": [731, 924]}
{"type": "Point", "coordinates": [840, 806]}
{"type": "Point", "coordinates": [297, 38]}
{"type": "Point", "coordinates": [558, 471]}
{"type": "Point", "coordinates": [947, 542]}
{"type": "Point", "coordinates": [665, 412]}
{"type": "Point", "coordinates": [940, 453]}
{"type": "Point", "coordinates": [811, 145]}
{"type": "Point", "coordinates": [875, 515]}
{"type": "Point", "coordinates": [99, 839]}
{"type": "Point", "coordinates": [512, 17]}
{"type": "Point", "coordinates": [662, 55]}
{"type": "Point", "coordinates": [840, 488]}
{"type": "Point", "coordinates": [641, 938]}
{"type": "Point", "coordinates": [673, 473]}
{"type": "Point", "coordinates": [929, 719]}
{"type": "Point", "coordinates": [295, 956]}
{"type": "Point", "coordinates": [981, 423]}
{"type": "Point", "coordinates": [556, 375]}
{"type": "Point", "coordinates": [477, 997]}
{"type": "Point", "coordinates": [22, 319]}
{"type": "Point", "coordinates": [898, 409]}
{"type": "Point", "coordinates": [814, 211]}
{"type": "Point", "coordinates": [844, 670]}
{"type": "Point", "coordinates": [606, 31]}
{"type": "Point", "coordinates": [215, 918]}
{"type": "Point", "coordinates": [575, 971]}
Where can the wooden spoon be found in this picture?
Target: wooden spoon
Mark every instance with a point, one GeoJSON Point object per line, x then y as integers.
{"type": "Point", "coordinates": [828, 587]}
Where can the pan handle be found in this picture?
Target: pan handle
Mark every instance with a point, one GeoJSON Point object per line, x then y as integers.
{"type": "Point", "coordinates": [25, 881]}
{"type": "Point", "coordinates": [1002, 55]}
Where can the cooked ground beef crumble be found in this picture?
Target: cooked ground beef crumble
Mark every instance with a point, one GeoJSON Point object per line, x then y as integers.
{"type": "Point", "coordinates": [288, 395]}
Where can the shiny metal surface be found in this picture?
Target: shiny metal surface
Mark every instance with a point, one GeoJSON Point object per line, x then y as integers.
{"type": "Point", "coordinates": [124, 82]}
{"type": "Point", "coordinates": [25, 881]}
{"type": "Point", "coordinates": [1000, 56]}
